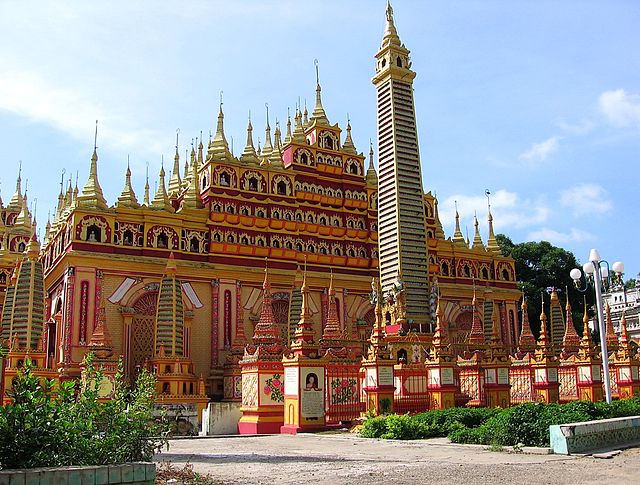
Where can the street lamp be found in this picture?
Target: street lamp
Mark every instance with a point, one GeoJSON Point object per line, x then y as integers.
{"type": "Point", "coordinates": [596, 271]}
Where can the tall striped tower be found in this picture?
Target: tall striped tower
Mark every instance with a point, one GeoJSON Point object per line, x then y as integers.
{"type": "Point", "coordinates": [170, 314]}
{"type": "Point", "coordinates": [23, 320]}
{"type": "Point", "coordinates": [401, 215]}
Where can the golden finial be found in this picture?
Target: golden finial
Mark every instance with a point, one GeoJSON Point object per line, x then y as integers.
{"type": "Point", "coordinates": [249, 154]}
{"type": "Point", "coordinates": [318, 114]}
{"type": "Point", "coordinates": [457, 235]}
{"type": "Point", "coordinates": [175, 182]}
{"type": "Point", "coordinates": [127, 197]}
{"type": "Point", "coordinates": [492, 243]}
{"type": "Point", "coordinates": [146, 188]}
{"type": "Point", "coordinates": [92, 196]}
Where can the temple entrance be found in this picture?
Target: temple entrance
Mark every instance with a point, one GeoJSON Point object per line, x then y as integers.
{"type": "Point", "coordinates": [142, 333]}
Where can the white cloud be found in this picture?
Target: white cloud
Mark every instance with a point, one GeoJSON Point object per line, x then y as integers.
{"type": "Point", "coordinates": [557, 238]}
{"type": "Point", "coordinates": [540, 151]}
{"type": "Point", "coordinates": [620, 108]}
{"type": "Point", "coordinates": [582, 127]}
{"type": "Point", "coordinates": [72, 111]}
{"type": "Point", "coordinates": [509, 210]}
{"type": "Point", "coordinates": [586, 199]}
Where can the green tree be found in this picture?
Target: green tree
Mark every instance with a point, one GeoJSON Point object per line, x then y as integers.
{"type": "Point", "coordinates": [539, 266]}
{"type": "Point", "coordinates": [631, 283]}
{"type": "Point", "coordinates": [49, 425]}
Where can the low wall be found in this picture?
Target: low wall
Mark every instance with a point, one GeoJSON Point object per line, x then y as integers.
{"type": "Point", "coordinates": [594, 435]}
{"type": "Point", "coordinates": [220, 418]}
{"type": "Point", "coordinates": [129, 473]}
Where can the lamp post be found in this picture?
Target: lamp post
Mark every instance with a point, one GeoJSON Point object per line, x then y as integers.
{"type": "Point", "coordinates": [598, 269]}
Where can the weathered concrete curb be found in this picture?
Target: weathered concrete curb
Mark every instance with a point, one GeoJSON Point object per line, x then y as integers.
{"type": "Point", "coordinates": [590, 436]}
{"type": "Point", "coordinates": [128, 473]}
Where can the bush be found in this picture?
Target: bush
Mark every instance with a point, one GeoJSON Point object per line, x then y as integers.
{"type": "Point", "coordinates": [374, 427]}
{"type": "Point", "coordinates": [526, 423]}
{"type": "Point", "coordinates": [424, 425]}
{"type": "Point", "coordinates": [49, 426]}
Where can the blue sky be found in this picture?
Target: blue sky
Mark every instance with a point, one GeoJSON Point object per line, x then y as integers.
{"type": "Point", "coordinates": [537, 101]}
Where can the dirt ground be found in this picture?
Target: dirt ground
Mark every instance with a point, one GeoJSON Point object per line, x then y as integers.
{"type": "Point", "coordinates": [348, 459]}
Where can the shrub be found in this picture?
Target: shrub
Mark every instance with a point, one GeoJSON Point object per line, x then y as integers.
{"type": "Point", "coordinates": [526, 423]}
{"type": "Point", "coordinates": [47, 426]}
{"type": "Point", "coordinates": [374, 427]}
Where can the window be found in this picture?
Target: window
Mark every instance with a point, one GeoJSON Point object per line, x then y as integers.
{"type": "Point", "coordinates": [352, 253]}
{"type": "Point", "coordinates": [354, 169]}
{"type": "Point", "coordinates": [21, 247]}
{"type": "Point", "coordinates": [281, 188]}
{"type": "Point", "coordinates": [244, 240]}
{"type": "Point", "coordinates": [275, 215]}
{"type": "Point", "coordinates": [505, 274]}
{"type": "Point", "coordinates": [162, 241]}
{"type": "Point", "coordinates": [310, 218]}
{"type": "Point", "coordinates": [224, 179]}
{"type": "Point", "coordinates": [216, 237]}
{"type": "Point", "coordinates": [253, 184]}
{"type": "Point", "coordinates": [328, 142]}
{"type": "Point", "coordinates": [194, 245]}
{"type": "Point", "coordinates": [127, 238]}
{"type": "Point", "coordinates": [260, 213]}
{"type": "Point", "coordinates": [445, 269]}
{"type": "Point", "coordinates": [485, 274]}
{"type": "Point", "coordinates": [299, 247]}
{"type": "Point", "coordinates": [304, 158]}
{"type": "Point", "coordinates": [94, 234]}
{"type": "Point", "coordinates": [402, 356]}
{"type": "Point", "coordinates": [289, 245]}
{"type": "Point", "coordinates": [244, 211]}
{"type": "Point", "coordinates": [398, 61]}
{"type": "Point", "coordinates": [275, 243]}
{"type": "Point", "coordinates": [231, 239]}
{"type": "Point", "coordinates": [323, 220]}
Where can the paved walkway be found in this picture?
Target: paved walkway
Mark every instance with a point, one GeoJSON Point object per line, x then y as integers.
{"type": "Point", "coordinates": [348, 459]}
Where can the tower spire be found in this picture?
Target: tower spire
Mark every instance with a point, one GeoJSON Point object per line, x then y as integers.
{"type": "Point", "coordinates": [492, 243]}
{"type": "Point", "coordinates": [175, 182]}
{"type": "Point", "coordinates": [332, 326]}
{"type": "Point", "coordinates": [219, 145]}
{"type": "Point", "coordinates": [372, 175]}
{"type": "Point", "coordinates": [390, 33]}
{"type": "Point", "coordinates": [92, 196]}
{"type": "Point", "coordinates": [348, 145]}
{"type": "Point", "coordinates": [267, 148]}
{"type": "Point", "coordinates": [571, 340]}
{"type": "Point", "coordinates": [318, 114]}
{"type": "Point", "coordinates": [161, 199]}
{"type": "Point", "coordinates": [477, 239]}
{"type": "Point", "coordinates": [127, 197]}
{"type": "Point", "coordinates": [266, 331]}
{"type": "Point", "coordinates": [16, 200]}
{"type": "Point", "coordinates": [457, 235]}
{"type": "Point", "coordinates": [146, 202]}
{"type": "Point", "coordinates": [527, 342]}
{"type": "Point", "coordinates": [249, 154]}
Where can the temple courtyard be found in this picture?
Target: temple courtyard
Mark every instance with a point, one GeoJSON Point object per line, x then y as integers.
{"type": "Point", "coordinates": [345, 458]}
